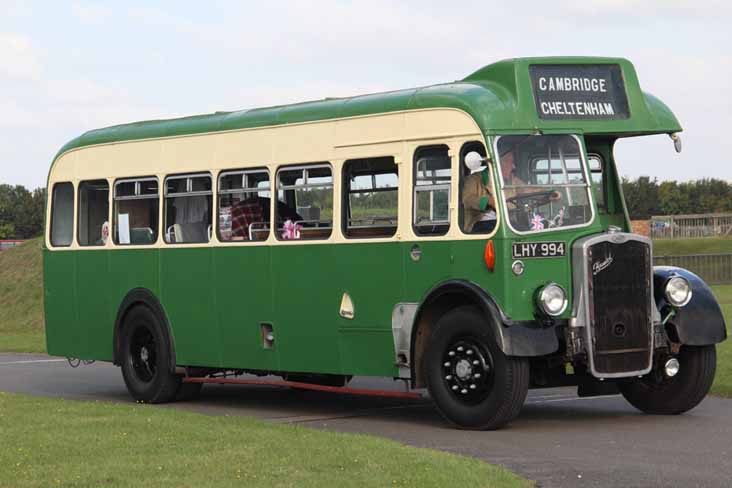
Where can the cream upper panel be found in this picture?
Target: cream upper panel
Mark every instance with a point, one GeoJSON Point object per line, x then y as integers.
{"type": "Point", "coordinates": [311, 141]}
{"type": "Point", "coordinates": [395, 134]}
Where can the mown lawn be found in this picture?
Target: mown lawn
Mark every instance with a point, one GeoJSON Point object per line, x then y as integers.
{"type": "Point", "coordinates": [683, 247]}
{"type": "Point", "coordinates": [50, 442]}
{"type": "Point", "coordinates": [21, 299]}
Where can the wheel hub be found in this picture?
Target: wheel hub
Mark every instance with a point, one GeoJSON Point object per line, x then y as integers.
{"type": "Point", "coordinates": [467, 367]}
{"type": "Point", "coordinates": [463, 369]}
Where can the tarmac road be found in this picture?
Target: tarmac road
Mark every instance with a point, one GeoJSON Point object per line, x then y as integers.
{"type": "Point", "coordinates": [559, 440]}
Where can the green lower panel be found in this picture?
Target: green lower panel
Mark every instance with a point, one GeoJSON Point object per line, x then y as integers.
{"type": "Point", "coordinates": [367, 352]}
{"type": "Point", "coordinates": [94, 310]}
{"type": "Point", "coordinates": [187, 289]}
{"type": "Point", "coordinates": [63, 335]}
{"type": "Point", "coordinates": [243, 302]}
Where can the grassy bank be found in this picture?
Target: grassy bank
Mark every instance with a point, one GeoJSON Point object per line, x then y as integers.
{"type": "Point", "coordinates": [49, 442]}
{"type": "Point", "coordinates": [21, 299]}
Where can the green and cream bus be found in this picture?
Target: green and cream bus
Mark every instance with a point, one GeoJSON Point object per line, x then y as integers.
{"type": "Point", "coordinates": [469, 237]}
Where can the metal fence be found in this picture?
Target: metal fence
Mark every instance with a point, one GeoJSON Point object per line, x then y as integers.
{"type": "Point", "coordinates": [7, 244]}
{"type": "Point", "coordinates": [715, 269]}
{"type": "Point", "coordinates": [690, 226]}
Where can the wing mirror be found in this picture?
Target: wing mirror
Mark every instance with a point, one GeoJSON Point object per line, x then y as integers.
{"type": "Point", "coordinates": [674, 137]}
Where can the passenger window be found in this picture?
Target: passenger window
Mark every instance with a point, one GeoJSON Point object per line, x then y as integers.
{"type": "Point", "coordinates": [136, 204]}
{"type": "Point", "coordinates": [188, 203]}
{"type": "Point", "coordinates": [244, 198]}
{"type": "Point", "coordinates": [305, 202]}
{"type": "Point", "coordinates": [598, 179]}
{"type": "Point", "coordinates": [93, 224]}
{"type": "Point", "coordinates": [432, 191]}
{"type": "Point", "coordinates": [62, 215]}
{"type": "Point", "coordinates": [370, 203]}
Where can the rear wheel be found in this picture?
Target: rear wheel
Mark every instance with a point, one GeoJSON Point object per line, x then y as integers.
{"type": "Point", "coordinates": [145, 358]}
{"type": "Point", "coordinates": [473, 384]}
{"type": "Point", "coordinates": [658, 394]}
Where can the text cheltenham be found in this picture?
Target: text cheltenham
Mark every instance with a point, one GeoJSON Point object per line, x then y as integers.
{"type": "Point", "coordinates": [559, 83]}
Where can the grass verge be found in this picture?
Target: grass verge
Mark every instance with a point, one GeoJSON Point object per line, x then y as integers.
{"type": "Point", "coordinates": [723, 381]}
{"type": "Point", "coordinates": [50, 442]}
{"type": "Point", "coordinates": [683, 247]}
{"type": "Point", "coordinates": [21, 299]}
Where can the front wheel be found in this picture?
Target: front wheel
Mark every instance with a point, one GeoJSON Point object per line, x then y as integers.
{"type": "Point", "coordinates": [473, 384]}
{"type": "Point", "coordinates": [657, 394]}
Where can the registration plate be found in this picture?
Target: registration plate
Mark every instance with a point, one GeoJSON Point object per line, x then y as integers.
{"type": "Point", "coordinates": [524, 250]}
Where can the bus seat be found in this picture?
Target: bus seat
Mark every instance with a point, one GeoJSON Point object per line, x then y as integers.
{"type": "Point", "coordinates": [194, 232]}
{"type": "Point", "coordinates": [142, 235]}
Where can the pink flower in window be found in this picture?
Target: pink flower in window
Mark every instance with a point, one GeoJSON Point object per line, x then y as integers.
{"type": "Point", "coordinates": [291, 230]}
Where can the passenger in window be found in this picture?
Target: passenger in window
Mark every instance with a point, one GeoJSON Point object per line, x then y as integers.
{"type": "Point", "coordinates": [478, 202]}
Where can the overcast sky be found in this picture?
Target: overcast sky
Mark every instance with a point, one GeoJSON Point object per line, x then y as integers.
{"type": "Point", "coordinates": [67, 67]}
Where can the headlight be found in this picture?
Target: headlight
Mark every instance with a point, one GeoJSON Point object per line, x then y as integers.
{"type": "Point", "coordinates": [678, 291]}
{"type": "Point", "coordinates": [552, 299]}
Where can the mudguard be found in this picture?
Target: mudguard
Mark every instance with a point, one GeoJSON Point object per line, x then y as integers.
{"type": "Point", "coordinates": [700, 322]}
{"type": "Point", "coordinates": [524, 339]}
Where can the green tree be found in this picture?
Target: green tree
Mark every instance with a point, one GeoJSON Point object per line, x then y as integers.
{"type": "Point", "coordinates": [21, 212]}
{"type": "Point", "coordinates": [641, 197]}
{"type": "Point", "coordinates": [7, 231]}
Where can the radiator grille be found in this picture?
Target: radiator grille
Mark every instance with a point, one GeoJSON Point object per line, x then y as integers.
{"type": "Point", "coordinates": [620, 306]}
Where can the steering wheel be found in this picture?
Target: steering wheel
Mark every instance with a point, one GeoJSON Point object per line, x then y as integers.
{"type": "Point", "coordinates": [536, 198]}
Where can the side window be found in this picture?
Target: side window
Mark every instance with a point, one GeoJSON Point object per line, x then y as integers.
{"type": "Point", "coordinates": [305, 202]}
{"type": "Point", "coordinates": [477, 214]}
{"type": "Point", "coordinates": [93, 224]}
{"type": "Point", "coordinates": [244, 198]}
{"type": "Point", "coordinates": [432, 191]}
{"type": "Point", "coordinates": [370, 196]}
{"type": "Point", "coordinates": [136, 204]}
{"type": "Point", "coordinates": [188, 203]}
{"type": "Point", "coordinates": [62, 215]}
{"type": "Point", "coordinates": [598, 179]}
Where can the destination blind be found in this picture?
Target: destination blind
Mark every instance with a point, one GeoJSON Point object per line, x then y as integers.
{"type": "Point", "coordinates": [585, 92]}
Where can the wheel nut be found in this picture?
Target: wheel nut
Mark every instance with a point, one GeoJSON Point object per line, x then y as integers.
{"type": "Point", "coordinates": [469, 352]}
{"type": "Point", "coordinates": [454, 387]}
{"type": "Point", "coordinates": [448, 377]}
{"type": "Point", "coordinates": [447, 364]}
{"type": "Point", "coordinates": [463, 391]}
{"type": "Point", "coordinates": [476, 362]}
{"type": "Point", "coordinates": [476, 375]}
{"type": "Point", "coordinates": [472, 387]}
{"type": "Point", "coordinates": [460, 348]}
{"type": "Point", "coordinates": [451, 353]}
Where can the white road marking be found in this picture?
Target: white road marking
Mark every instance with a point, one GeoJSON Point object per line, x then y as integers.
{"type": "Point", "coordinates": [34, 361]}
{"type": "Point", "coordinates": [571, 399]}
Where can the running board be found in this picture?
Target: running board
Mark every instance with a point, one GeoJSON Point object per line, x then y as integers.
{"type": "Point", "coordinates": [306, 386]}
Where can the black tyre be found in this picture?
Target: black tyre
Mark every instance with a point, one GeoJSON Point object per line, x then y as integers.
{"type": "Point", "coordinates": [473, 384]}
{"type": "Point", "coordinates": [658, 394]}
{"type": "Point", "coordinates": [145, 358]}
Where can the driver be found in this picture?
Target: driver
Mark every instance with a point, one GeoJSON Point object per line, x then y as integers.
{"type": "Point", "coordinates": [508, 171]}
